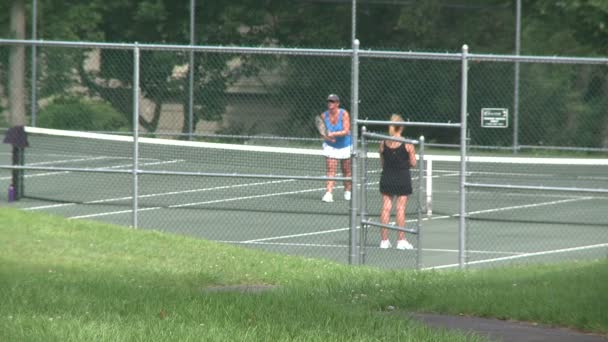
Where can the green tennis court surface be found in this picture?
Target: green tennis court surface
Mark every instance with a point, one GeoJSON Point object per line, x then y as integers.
{"type": "Point", "coordinates": [287, 215]}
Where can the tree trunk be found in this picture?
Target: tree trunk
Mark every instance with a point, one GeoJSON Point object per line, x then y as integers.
{"type": "Point", "coordinates": [17, 66]}
{"type": "Point", "coordinates": [186, 111]}
{"type": "Point", "coordinates": [152, 125]}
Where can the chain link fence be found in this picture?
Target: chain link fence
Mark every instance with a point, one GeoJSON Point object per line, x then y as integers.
{"type": "Point", "coordinates": [237, 158]}
{"type": "Point", "coordinates": [539, 206]}
{"type": "Point", "coordinates": [559, 107]}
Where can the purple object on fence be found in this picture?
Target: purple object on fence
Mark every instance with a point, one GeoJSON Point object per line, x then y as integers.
{"type": "Point", "coordinates": [11, 193]}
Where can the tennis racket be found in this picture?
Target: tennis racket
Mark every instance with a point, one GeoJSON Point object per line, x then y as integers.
{"type": "Point", "coordinates": [320, 124]}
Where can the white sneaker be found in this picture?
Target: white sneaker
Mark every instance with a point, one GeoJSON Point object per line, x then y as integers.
{"type": "Point", "coordinates": [384, 244]}
{"type": "Point", "coordinates": [404, 244]}
{"type": "Point", "coordinates": [347, 195]}
{"type": "Point", "coordinates": [328, 197]}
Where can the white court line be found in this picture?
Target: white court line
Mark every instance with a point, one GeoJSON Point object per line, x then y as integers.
{"type": "Point", "coordinates": [245, 198]}
{"type": "Point", "coordinates": [66, 161]}
{"type": "Point", "coordinates": [62, 155]}
{"type": "Point", "coordinates": [428, 218]}
{"type": "Point", "coordinates": [533, 205]}
{"type": "Point", "coordinates": [38, 175]}
{"type": "Point", "coordinates": [199, 203]}
{"type": "Point", "coordinates": [97, 168]}
{"type": "Point", "coordinates": [295, 235]}
{"type": "Point", "coordinates": [345, 246]}
{"type": "Point", "coordinates": [470, 251]}
{"type": "Point", "coordinates": [55, 162]}
{"type": "Point", "coordinates": [593, 178]}
{"type": "Point", "coordinates": [224, 187]}
{"type": "Point", "coordinates": [519, 174]}
{"type": "Point", "coordinates": [293, 244]}
{"type": "Point", "coordinates": [327, 231]}
{"type": "Point", "coordinates": [520, 256]}
{"type": "Point", "coordinates": [113, 213]}
{"type": "Point", "coordinates": [515, 194]}
{"type": "Point", "coordinates": [175, 161]}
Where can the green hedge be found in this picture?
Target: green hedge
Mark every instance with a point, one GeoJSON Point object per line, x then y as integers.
{"type": "Point", "coordinates": [75, 113]}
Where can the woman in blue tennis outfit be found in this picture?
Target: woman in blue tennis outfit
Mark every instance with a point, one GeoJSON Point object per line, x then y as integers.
{"type": "Point", "coordinates": [337, 145]}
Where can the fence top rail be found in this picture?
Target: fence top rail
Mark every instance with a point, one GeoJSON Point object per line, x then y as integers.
{"type": "Point", "coordinates": [175, 47]}
{"type": "Point", "coordinates": [536, 59]}
{"type": "Point", "coordinates": [311, 52]}
{"type": "Point", "coordinates": [388, 137]}
{"type": "Point", "coordinates": [408, 123]}
{"type": "Point", "coordinates": [410, 55]}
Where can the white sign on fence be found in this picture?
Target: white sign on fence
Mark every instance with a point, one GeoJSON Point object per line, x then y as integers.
{"type": "Point", "coordinates": [494, 117]}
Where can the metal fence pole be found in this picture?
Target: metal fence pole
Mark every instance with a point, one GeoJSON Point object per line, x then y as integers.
{"type": "Point", "coordinates": [421, 196]}
{"type": "Point", "coordinates": [363, 198]}
{"type": "Point", "coordinates": [34, 95]}
{"type": "Point", "coordinates": [353, 254]}
{"type": "Point", "coordinates": [353, 21]}
{"type": "Point", "coordinates": [463, 155]}
{"type": "Point", "coordinates": [191, 75]}
{"type": "Point", "coordinates": [135, 133]}
{"type": "Point", "coordinates": [516, 80]}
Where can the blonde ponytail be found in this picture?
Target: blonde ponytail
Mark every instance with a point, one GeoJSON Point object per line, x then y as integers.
{"type": "Point", "coordinates": [394, 130]}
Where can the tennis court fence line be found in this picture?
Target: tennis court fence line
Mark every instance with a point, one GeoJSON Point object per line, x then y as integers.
{"type": "Point", "coordinates": [56, 153]}
{"type": "Point", "coordinates": [250, 191]}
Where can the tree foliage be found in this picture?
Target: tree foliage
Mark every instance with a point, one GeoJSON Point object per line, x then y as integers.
{"type": "Point", "coordinates": [81, 114]}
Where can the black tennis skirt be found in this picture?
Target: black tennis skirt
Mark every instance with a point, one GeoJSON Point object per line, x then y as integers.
{"type": "Point", "coordinates": [396, 182]}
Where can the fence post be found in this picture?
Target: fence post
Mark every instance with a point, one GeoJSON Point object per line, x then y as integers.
{"type": "Point", "coordinates": [363, 198]}
{"type": "Point", "coordinates": [421, 197]}
{"type": "Point", "coordinates": [516, 78]}
{"type": "Point", "coordinates": [352, 249]}
{"type": "Point", "coordinates": [34, 94]}
{"type": "Point", "coordinates": [463, 156]}
{"type": "Point", "coordinates": [135, 133]}
{"type": "Point", "coordinates": [191, 73]}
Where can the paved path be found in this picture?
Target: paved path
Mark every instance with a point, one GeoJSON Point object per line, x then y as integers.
{"type": "Point", "coordinates": [507, 331]}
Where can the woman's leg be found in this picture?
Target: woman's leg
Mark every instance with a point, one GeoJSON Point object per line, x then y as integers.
{"type": "Point", "coordinates": [346, 171]}
{"type": "Point", "coordinates": [387, 203]}
{"type": "Point", "coordinates": [332, 165]}
{"type": "Point", "coordinates": [401, 204]}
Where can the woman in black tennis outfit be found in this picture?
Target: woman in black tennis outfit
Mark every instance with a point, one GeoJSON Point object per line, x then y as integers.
{"type": "Point", "coordinates": [396, 182]}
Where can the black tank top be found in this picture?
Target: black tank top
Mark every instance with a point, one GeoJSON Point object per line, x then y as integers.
{"type": "Point", "coordinates": [395, 158]}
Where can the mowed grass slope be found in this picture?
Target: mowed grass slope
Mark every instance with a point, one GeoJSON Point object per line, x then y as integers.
{"type": "Point", "coordinates": [77, 280]}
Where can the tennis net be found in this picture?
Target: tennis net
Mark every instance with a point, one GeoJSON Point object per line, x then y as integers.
{"type": "Point", "coordinates": [94, 150]}
{"type": "Point", "coordinates": [59, 152]}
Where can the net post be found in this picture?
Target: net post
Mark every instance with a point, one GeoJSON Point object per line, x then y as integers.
{"type": "Point", "coordinates": [135, 134]}
{"type": "Point", "coordinates": [18, 174]}
{"type": "Point", "coordinates": [17, 137]}
{"type": "Point", "coordinates": [363, 198]}
{"type": "Point", "coordinates": [353, 253]}
{"type": "Point", "coordinates": [463, 156]}
{"type": "Point", "coordinates": [419, 199]}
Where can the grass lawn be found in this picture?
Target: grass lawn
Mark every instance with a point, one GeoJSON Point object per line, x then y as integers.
{"type": "Point", "coordinates": [75, 280]}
